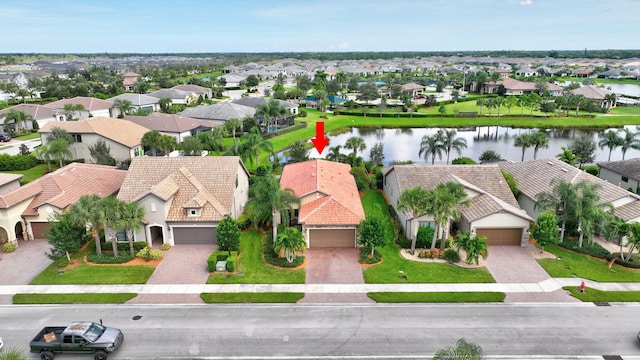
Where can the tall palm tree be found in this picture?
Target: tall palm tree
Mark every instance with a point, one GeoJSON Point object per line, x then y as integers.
{"type": "Point", "coordinates": [167, 144]}
{"type": "Point", "coordinates": [356, 144]}
{"type": "Point", "coordinates": [539, 139]}
{"type": "Point", "coordinates": [610, 100]}
{"type": "Point", "coordinates": [269, 202]}
{"type": "Point", "coordinates": [253, 143]}
{"type": "Point", "coordinates": [270, 112]}
{"type": "Point", "coordinates": [233, 124]}
{"type": "Point", "coordinates": [42, 152]}
{"type": "Point", "coordinates": [87, 211]}
{"type": "Point", "coordinates": [131, 220]}
{"type": "Point", "coordinates": [334, 153]}
{"type": "Point", "coordinates": [432, 145]}
{"type": "Point", "coordinates": [124, 106]}
{"type": "Point", "coordinates": [151, 139]}
{"type": "Point", "coordinates": [413, 202]}
{"type": "Point", "coordinates": [561, 200]}
{"type": "Point", "coordinates": [445, 204]}
{"type": "Point", "coordinates": [610, 139]}
{"type": "Point", "coordinates": [451, 142]}
{"type": "Point", "coordinates": [524, 141]}
{"type": "Point", "coordinates": [590, 211]}
{"type": "Point", "coordinates": [630, 140]}
{"type": "Point", "coordinates": [59, 149]}
{"type": "Point", "coordinates": [17, 118]}
{"type": "Point", "coordinates": [112, 212]}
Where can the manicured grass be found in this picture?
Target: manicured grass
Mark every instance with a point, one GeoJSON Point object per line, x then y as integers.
{"type": "Point", "coordinates": [436, 297]}
{"type": "Point", "coordinates": [255, 270]}
{"type": "Point", "coordinates": [572, 264]}
{"type": "Point", "coordinates": [271, 297]}
{"type": "Point", "coordinates": [93, 274]}
{"type": "Point", "coordinates": [34, 173]}
{"type": "Point", "coordinates": [393, 265]}
{"type": "Point", "coordinates": [101, 298]}
{"type": "Point", "coordinates": [593, 295]}
{"type": "Point", "coordinates": [29, 136]}
{"type": "Point", "coordinates": [625, 110]}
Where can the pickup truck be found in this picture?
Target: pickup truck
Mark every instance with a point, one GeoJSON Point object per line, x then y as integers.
{"type": "Point", "coordinates": [77, 337]}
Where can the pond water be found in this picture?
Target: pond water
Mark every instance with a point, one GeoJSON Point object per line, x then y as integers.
{"type": "Point", "coordinates": [404, 144]}
{"type": "Point", "coordinates": [623, 89]}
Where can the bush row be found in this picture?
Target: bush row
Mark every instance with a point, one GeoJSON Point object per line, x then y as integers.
{"type": "Point", "coordinates": [630, 263]}
{"type": "Point", "coordinates": [122, 258]}
{"type": "Point", "coordinates": [222, 256]}
{"type": "Point", "coordinates": [594, 249]}
{"type": "Point", "coordinates": [124, 246]}
{"type": "Point", "coordinates": [17, 162]}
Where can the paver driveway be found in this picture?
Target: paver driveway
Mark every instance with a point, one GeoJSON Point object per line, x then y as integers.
{"type": "Point", "coordinates": [333, 266]}
{"type": "Point", "coordinates": [22, 265]}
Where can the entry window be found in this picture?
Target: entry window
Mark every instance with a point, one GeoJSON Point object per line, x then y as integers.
{"type": "Point", "coordinates": [430, 224]}
{"type": "Point", "coordinates": [77, 138]}
{"type": "Point", "coordinates": [193, 212]}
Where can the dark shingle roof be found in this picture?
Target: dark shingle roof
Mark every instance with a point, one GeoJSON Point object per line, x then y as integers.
{"type": "Point", "coordinates": [629, 168]}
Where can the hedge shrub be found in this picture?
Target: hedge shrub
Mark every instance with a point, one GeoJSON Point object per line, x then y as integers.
{"type": "Point", "coordinates": [451, 255]}
{"type": "Point", "coordinates": [149, 254]}
{"type": "Point", "coordinates": [17, 162]}
{"type": "Point", "coordinates": [124, 246]}
{"type": "Point", "coordinates": [366, 258]}
{"type": "Point", "coordinates": [594, 249]}
{"type": "Point", "coordinates": [272, 258]}
{"type": "Point", "coordinates": [9, 247]}
{"type": "Point", "coordinates": [109, 258]}
{"type": "Point", "coordinates": [222, 256]}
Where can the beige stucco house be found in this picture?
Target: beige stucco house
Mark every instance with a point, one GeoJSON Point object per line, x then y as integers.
{"type": "Point", "coordinates": [330, 208]}
{"type": "Point", "coordinates": [92, 107]}
{"type": "Point", "coordinates": [25, 212]}
{"type": "Point", "coordinates": [123, 137]}
{"type": "Point", "coordinates": [493, 211]}
{"type": "Point", "coordinates": [185, 198]}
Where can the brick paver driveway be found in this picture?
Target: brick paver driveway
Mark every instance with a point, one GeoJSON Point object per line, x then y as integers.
{"type": "Point", "coordinates": [333, 266]}
{"type": "Point", "coordinates": [182, 264]}
{"type": "Point", "coordinates": [22, 265]}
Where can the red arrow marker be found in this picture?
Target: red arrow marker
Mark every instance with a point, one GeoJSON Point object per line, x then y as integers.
{"type": "Point", "coordinates": [320, 141]}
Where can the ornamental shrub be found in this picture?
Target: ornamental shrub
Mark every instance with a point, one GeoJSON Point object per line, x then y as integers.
{"type": "Point", "coordinates": [165, 247]}
{"type": "Point", "coordinates": [9, 247]}
{"type": "Point", "coordinates": [149, 254]}
{"type": "Point", "coordinates": [451, 255]}
{"type": "Point", "coordinates": [122, 258]}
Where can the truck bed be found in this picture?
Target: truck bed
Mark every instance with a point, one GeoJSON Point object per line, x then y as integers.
{"type": "Point", "coordinates": [49, 335]}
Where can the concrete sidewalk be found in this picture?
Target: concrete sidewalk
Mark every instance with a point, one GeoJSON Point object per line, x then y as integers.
{"type": "Point", "coordinates": [541, 287]}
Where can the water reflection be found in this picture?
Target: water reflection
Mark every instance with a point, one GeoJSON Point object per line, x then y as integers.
{"type": "Point", "coordinates": [404, 144]}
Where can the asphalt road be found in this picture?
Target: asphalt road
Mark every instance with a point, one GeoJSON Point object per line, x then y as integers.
{"type": "Point", "coordinates": [550, 331]}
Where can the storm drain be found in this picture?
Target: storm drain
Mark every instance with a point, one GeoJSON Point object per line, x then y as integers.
{"type": "Point", "coordinates": [612, 357]}
{"type": "Point", "coordinates": [602, 304]}
{"type": "Point", "coordinates": [137, 317]}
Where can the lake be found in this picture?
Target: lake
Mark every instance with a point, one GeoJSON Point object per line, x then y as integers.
{"type": "Point", "coordinates": [404, 144]}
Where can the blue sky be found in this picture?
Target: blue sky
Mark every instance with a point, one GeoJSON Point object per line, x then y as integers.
{"type": "Point", "coordinates": [147, 26]}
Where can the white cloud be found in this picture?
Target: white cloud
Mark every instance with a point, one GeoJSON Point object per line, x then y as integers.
{"type": "Point", "coordinates": [343, 46]}
{"type": "Point", "coordinates": [526, 2]}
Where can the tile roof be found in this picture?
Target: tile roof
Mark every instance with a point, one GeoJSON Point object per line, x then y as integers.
{"type": "Point", "coordinates": [136, 99]}
{"type": "Point", "coordinates": [172, 123]}
{"type": "Point", "coordinates": [629, 168]}
{"type": "Point", "coordinates": [6, 178]}
{"type": "Point", "coordinates": [65, 186]}
{"type": "Point", "coordinates": [220, 111]}
{"type": "Point", "coordinates": [591, 92]}
{"type": "Point", "coordinates": [535, 176]}
{"type": "Point", "coordinates": [489, 192]}
{"type": "Point", "coordinates": [89, 103]}
{"type": "Point", "coordinates": [206, 182]}
{"type": "Point", "coordinates": [121, 131]}
{"type": "Point", "coordinates": [340, 203]}
{"type": "Point", "coordinates": [256, 101]}
{"type": "Point", "coordinates": [170, 93]}
{"type": "Point", "coordinates": [35, 111]}
{"type": "Point", "coordinates": [193, 88]}
{"type": "Point", "coordinates": [513, 84]}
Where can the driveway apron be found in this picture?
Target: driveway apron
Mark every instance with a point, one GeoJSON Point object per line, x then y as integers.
{"type": "Point", "coordinates": [182, 264]}
{"type": "Point", "coordinates": [333, 266]}
{"type": "Point", "coordinates": [22, 265]}
{"type": "Point", "coordinates": [514, 264]}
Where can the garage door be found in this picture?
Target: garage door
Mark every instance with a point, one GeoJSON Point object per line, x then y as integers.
{"type": "Point", "coordinates": [39, 229]}
{"type": "Point", "coordinates": [501, 237]}
{"type": "Point", "coordinates": [199, 235]}
{"type": "Point", "coordinates": [332, 238]}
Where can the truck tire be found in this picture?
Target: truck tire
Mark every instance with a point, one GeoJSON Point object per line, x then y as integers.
{"type": "Point", "coordinates": [100, 355]}
{"type": "Point", "coordinates": [46, 355]}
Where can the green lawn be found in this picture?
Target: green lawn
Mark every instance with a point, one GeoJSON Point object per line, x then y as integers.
{"type": "Point", "coordinates": [29, 136]}
{"type": "Point", "coordinates": [393, 265]}
{"type": "Point", "coordinates": [593, 295]}
{"type": "Point", "coordinates": [436, 297]}
{"type": "Point", "coordinates": [34, 173]}
{"type": "Point", "coordinates": [272, 297]}
{"type": "Point", "coordinates": [572, 264]}
{"type": "Point", "coordinates": [101, 298]}
{"type": "Point", "coordinates": [255, 270]}
{"type": "Point", "coordinates": [625, 110]}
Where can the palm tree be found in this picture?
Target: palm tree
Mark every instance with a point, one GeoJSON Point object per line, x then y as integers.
{"type": "Point", "coordinates": [610, 100]}
{"type": "Point", "coordinates": [499, 101]}
{"type": "Point", "coordinates": [112, 212]}
{"type": "Point", "coordinates": [590, 212]}
{"type": "Point", "coordinates": [233, 124]}
{"type": "Point", "coordinates": [23, 93]}
{"type": "Point", "coordinates": [432, 145]}
{"type": "Point", "coordinates": [445, 204]}
{"type": "Point", "coordinates": [561, 200]}
{"type": "Point", "coordinates": [413, 202]}
{"type": "Point", "coordinates": [151, 139]}
{"type": "Point", "coordinates": [124, 106]}
{"type": "Point", "coordinates": [86, 211]}
{"type": "Point", "coordinates": [167, 144]}
{"type": "Point", "coordinates": [269, 202]}
{"type": "Point", "coordinates": [539, 139]}
{"type": "Point", "coordinates": [59, 150]}
{"type": "Point", "coordinates": [253, 143]}
{"type": "Point", "coordinates": [334, 153]}
{"type": "Point", "coordinates": [132, 218]}
{"type": "Point", "coordinates": [270, 112]}
{"type": "Point", "coordinates": [451, 142]}
{"type": "Point", "coordinates": [291, 240]}
{"type": "Point", "coordinates": [630, 231]}
{"type": "Point", "coordinates": [480, 103]}
{"type": "Point", "coordinates": [509, 102]}
{"type": "Point", "coordinates": [610, 139]}
{"type": "Point", "coordinates": [19, 118]}
{"type": "Point", "coordinates": [42, 152]}
{"type": "Point", "coordinates": [630, 140]}
{"type": "Point", "coordinates": [356, 144]}
{"type": "Point", "coordinates": [524, 141]}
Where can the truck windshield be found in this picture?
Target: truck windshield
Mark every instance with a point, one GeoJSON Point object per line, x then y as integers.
{"type": "Point", "coordinates": [94, 332]}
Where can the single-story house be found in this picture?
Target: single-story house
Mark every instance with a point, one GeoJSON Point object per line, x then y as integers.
{"type": "Point", "coordinates": [123, 137]}
{"type": "Point", "coordinates": [174, 125]}
{"type": "Point", "coordinates": [330, 208]}
{"type": "Point", "coordinates": [517, 87]}
{"type": "Point", "coordinates": [138, 101]}
{"type": "Point", "coordinates": [256, 101]}
{"type": "Point", "coordinates": [202, 92]}
{"type": "Point", "coordinates": [42, 114]}
{"type": "Point", "coordinates": [535, 177]}
{"type": "Point", "coordinates": [176, 96]}
{"type": "Point", "coordinates": [25, 212]}
{"type": "Point", "coordinates": [493, 211]}
{"type": "Point", "coordinates": [233, 80]}
{"type": "Point", "coordinates": [219, 112]}
{"type": "Point", "coordinates": [596, 93]}
{"type": "Point", "coordinates": [625, 173]}
{"type": "Point", "coordinates": [92, 107]}
{"type": "Point", "coordinates": [413, 88]}
{"type": "Point", "coordinates": [185, 198]}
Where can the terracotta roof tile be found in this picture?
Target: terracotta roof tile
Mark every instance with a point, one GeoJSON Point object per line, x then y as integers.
{"type": "Point", "coordinates": [121, 131]}
{"type": "Point", "coordinates": [89, 103]}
